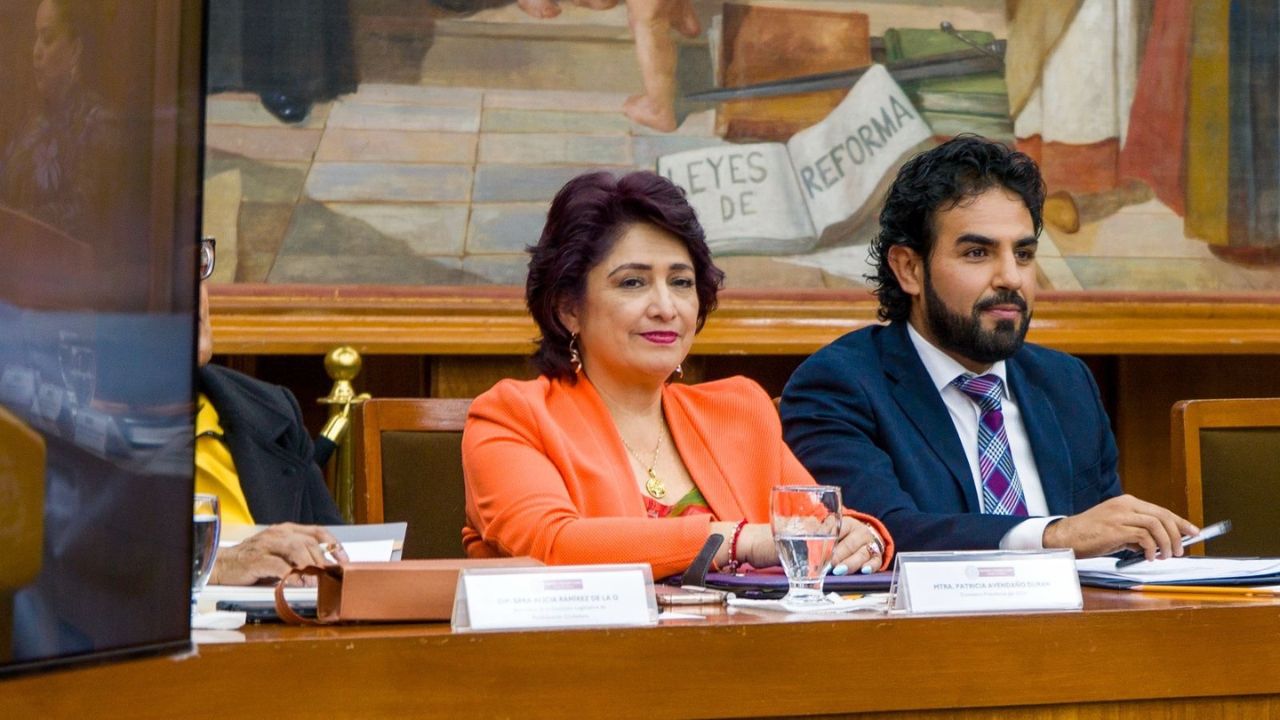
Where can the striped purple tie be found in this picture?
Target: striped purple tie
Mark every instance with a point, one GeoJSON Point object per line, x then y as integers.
{"type": "Point", "coordinates": [1001, 491]}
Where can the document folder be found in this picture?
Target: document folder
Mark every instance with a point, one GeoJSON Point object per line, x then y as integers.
{"type": "Point", "coordinates": [766, 585]}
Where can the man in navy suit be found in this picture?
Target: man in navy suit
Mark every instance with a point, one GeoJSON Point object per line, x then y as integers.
{"type": "Point", "coordinates": [943, 423]}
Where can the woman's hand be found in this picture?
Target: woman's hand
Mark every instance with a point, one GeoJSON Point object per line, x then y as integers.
{"type": "Point", "coordinates": [755, 544]}
{"type": "Point", "coordinates": [859, 549]}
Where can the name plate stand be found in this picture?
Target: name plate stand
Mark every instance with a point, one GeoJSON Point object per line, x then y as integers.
{"type": "Point", "coordinates": [567, 596]}
{"type": "Point", "coordinates": [986, 581]}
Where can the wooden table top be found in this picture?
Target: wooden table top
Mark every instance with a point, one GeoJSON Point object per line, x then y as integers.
{"type": "Point", "coordinates": [1124, 650]}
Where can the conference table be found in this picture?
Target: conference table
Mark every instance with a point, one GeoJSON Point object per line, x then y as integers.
{"type": "Point", "coordinates": [1126, 655]}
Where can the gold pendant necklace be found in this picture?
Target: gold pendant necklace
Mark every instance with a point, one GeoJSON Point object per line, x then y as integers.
{"type": "Point", "coordinates": [654, 485]}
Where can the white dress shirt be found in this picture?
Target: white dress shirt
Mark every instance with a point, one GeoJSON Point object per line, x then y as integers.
{"type": "Point", "coordinates": [965, 414]}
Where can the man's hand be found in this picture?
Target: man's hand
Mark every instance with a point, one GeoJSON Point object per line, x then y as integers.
{"type": "Point", "coordinates": [272, 553]}
{"type": "Point", "coordinates": [1120, 523]}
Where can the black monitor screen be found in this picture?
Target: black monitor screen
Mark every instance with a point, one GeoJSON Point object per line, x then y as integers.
{"type": "Point", "coordinates": [99, 168]}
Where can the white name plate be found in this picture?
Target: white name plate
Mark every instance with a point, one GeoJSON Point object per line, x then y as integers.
{"type": "Point", "coordinates": [49, 399]}
{"type": "Point", "coordinates": [567, 596]}
{"type": "Point", "coordinates": [18, 387]}
{"type": "Point", "coordinates": [986, 581]}
{"type": "Point", "coordinates": [93, 430]}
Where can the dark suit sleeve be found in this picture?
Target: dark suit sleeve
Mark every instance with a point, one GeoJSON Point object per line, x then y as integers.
{"type": "Point", "coordinates": [318, 507]}
{"type": "Point", "coordinates": [859, 440]}
{"type": "Point", "coordinates": [1107, 479]}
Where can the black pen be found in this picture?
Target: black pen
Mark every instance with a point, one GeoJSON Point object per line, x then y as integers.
{"type": "Point", "coordinates": [1217, 529]}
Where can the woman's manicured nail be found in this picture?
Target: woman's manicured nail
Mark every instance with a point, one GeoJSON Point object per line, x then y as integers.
{"type": "Point", "coordinates": [840, 569]}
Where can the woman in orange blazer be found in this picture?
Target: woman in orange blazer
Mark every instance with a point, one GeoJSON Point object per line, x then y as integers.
{"type": "Point", "coordinates": [602, 459]}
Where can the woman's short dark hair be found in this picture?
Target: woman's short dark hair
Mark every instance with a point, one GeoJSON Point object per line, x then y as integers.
{"type": "Point", "coordinates": [84, 23]}
{"type": "Point", "coordinates": [940, 179]}
{"type": "Point", "coordinates": [79, 18]}
{"type": "Point", "coordinates": [586, 218]}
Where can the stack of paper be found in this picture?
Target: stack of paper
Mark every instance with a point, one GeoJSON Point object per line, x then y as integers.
{"type": "Point", "coordinates": [1102, 572]}
{"type": "Point", "coordinates": [363, 543]}
{"type": "Point", "coordinates": [212, 594]}
{"type": "Point", "coordinates": [379, 542]}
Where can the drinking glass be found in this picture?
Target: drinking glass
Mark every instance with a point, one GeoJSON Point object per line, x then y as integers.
{"type": "Point", "coordinates": [76, 363]}
{"type": "Point", "coordinates": [806, 525]}
{"type": "Point", "coordinates": [207, 523]}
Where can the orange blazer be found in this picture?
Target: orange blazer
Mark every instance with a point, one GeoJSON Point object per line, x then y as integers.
{"type": "Point", "coordinates": [547, 475]}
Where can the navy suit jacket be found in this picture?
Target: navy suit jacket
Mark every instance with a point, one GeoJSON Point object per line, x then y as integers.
{"type": "Point", "coordinates": [863, 414]}
{"type": "Point", "coordinates": [271, 449]}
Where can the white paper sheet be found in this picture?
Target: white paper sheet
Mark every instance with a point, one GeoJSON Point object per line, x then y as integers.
{"type": "Point", "coordinates": [1184, 569]}
{"type": "Point", "coordinates": [378, 542]}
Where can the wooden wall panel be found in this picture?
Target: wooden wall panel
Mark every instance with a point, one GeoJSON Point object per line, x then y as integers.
{"type": "Point", "coordinates": [466, 376]}
{"type": "Point", "coordinates": [276, 320]}
{"type": "Point", "coordinates": [1147, 388]}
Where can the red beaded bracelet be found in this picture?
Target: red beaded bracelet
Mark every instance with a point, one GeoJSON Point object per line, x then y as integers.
{"type": "Point", "coordinates": [732, 567]}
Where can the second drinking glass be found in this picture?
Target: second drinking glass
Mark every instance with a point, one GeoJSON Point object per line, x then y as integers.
{"type": "Point", "coordinates": [806, 524]}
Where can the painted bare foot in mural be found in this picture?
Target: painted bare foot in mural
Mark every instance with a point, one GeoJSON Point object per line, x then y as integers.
{"type": "Point", "coordinates": [651, 23]}
{"type": "Point", "coordinates": [651, 112]}
{"type": "Point", "coordinates": [546, 9]}
{"type": "Point", "coordinates": [541, 9]}
{"type": "Point", "coordinates": [685, 20]}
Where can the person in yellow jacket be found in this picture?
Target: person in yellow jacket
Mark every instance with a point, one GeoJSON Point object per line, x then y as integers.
{"type": "Point", "coordinates": [254, 453]}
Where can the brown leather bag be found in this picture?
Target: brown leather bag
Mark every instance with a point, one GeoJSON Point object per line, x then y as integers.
{"type": "Point", "coordinates": [403, 591]}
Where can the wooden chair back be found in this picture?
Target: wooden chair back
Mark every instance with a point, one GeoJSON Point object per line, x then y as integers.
{"type": "Point", "coordinates": [408, 458]}
{"type": "Point", "coordinates": [1226, 454]}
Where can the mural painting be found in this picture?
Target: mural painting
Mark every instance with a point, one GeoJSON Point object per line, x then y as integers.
{"type": "Point", "coordinates": [416, 143]}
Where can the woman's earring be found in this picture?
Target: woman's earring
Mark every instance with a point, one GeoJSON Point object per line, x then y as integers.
{"type": "Point", "coordinates": [574, 358]}
{"type": "Point", "coordinates": [680, 371]}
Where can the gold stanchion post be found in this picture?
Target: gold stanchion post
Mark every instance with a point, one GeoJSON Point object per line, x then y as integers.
{"type": "Point", "coordinates": [343, 365]}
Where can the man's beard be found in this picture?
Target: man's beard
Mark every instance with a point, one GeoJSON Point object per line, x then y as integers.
{"type": "Point", "coordinates": [966, 337]}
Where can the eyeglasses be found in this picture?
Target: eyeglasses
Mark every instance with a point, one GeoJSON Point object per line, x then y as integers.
{"type": "Point", "coordinates": [207, 256]}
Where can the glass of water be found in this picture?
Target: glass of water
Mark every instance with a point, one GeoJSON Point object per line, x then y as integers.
{"type": "Point", "coordinates": [806, 525]}
{"type": "Point", "coordinates": [207, 522]}
{"type": "Point", "coordinates": [76, 363]}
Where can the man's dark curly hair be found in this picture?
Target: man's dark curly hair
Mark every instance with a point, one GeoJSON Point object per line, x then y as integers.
{"type": "Point", "coordinates": [586, 218]}
{"type": "Point", "coordinates": [937, 180]}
